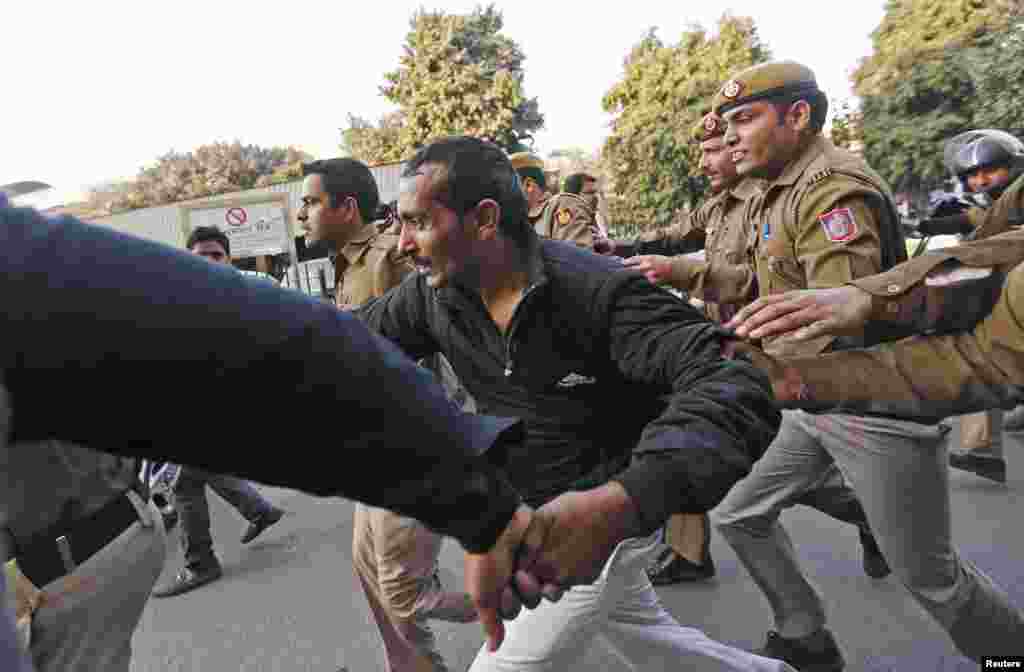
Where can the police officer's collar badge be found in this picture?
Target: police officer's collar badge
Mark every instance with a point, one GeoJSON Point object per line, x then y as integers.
{"type": "Point", "coordinates": [732, 89]}
{"type": "Point", "coordinates": [839, 225]}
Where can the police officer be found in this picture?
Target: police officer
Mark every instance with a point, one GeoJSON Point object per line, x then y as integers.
{"type": "Point", "coordinates": [898, 468]}
{"type": "Point", "coordinates": [561, 216]}
{"type": "Point", "coordinates": [972, 287]}
{"type": "Point", "coordinates": [394, 557]}
{"type": "Point", "coordinates": [986, 162]}
{"type": "Point", "coordinates": [822, 218]}
{"type": "Point", "coordinates": [725, 279]}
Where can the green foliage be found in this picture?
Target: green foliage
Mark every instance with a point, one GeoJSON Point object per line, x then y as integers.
{"type": "Point", "coordinates": [458, 75]}
{"type": "Point", "coordinates": [208, 170]}
{"type": "Point", "coordinates": [904, 131]}
{"type": "Point", "coordinates": [913, 31]}
{"type": "Point", "coordinates": [664, 91]}
{"type": "Point", "coordinates": [938, 68]}
{"type": "Point", "coordinates": [996, 66]}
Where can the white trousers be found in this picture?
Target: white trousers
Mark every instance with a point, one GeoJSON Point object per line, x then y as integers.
{"type": "Point", "coordinates": [622, 609]}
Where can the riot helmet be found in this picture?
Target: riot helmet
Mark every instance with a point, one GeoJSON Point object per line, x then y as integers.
{"type": "Point", "coordinates": [985, 148]}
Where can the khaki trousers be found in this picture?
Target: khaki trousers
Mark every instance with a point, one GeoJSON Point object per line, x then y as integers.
{"type": "Point", "coordinates": [395, 561]}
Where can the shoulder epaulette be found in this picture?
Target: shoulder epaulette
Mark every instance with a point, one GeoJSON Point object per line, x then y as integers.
{"type": "Point", "coordinates": [819, 176]}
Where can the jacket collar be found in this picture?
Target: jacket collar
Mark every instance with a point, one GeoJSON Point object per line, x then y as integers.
{"type": "Point", "coordinates": [797, 166]}
{"type": "Point", "coordinates": [356, 248]}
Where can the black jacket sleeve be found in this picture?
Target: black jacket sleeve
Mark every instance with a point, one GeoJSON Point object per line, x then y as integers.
{"type": "Point", "coordinates": [720, 417]}
{"type": "Point", "coordinates": [401, 317]}
{"type": "Point", "coordinates": [136, 348]}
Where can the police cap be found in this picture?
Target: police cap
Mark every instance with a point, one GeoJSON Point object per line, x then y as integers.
{"type": "Point", "coordinates": [768, 81]}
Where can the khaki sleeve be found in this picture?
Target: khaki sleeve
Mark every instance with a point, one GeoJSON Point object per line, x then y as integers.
{"type": "Point", "coordinates": [838, 238]}
{"type": "Point", "coordinates": [899, 291]}
{"type": "Point", "coordinates": [923, 377]}
{"type": "Point", "coordinates": [714, 280]}
{"type": "Point", "coordinates": [572, 222]}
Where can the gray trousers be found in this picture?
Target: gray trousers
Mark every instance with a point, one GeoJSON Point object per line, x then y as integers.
{"type": "Point", "coordinates": [900, 473]}
{"type": "Point", "coordinates": [190, 500]}
{"type": "Point", "coordinates": [88, 617]}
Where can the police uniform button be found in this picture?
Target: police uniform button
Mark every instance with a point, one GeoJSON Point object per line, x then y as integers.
{"type": "Point", "coordinates": [893, 289]}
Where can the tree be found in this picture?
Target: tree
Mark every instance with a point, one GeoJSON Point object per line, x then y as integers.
{"type": "Point", "coordinates": [913, 31]}
{"type": "Point", "coordinates": [664, 91]}
{"type": "Point", "coordinates": [996, 66]}
{"type": "Point", "coordinates": [904, 130]}
{"type": "Point", "coordinates": [458, 75]}
{"type": "Point", "coordinates": [938, 67]}
{"type": "Point", "coordinates": [208, 170]}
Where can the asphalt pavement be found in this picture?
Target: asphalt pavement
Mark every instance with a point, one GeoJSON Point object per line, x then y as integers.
{"type": "Point", "coordinates": [289, 601]}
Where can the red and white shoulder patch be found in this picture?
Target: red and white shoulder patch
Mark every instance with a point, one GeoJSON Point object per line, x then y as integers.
{"type": "Point", "coordinates": [840, 225]}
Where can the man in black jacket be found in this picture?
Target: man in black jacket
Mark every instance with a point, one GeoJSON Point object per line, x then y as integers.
{"type": "Point", "coordinates": [584, 354]}
{"type": "Point", "coordinates": [104, 333]}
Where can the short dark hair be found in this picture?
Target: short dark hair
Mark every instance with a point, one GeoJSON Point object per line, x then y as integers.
{"type": "Point", "coordinates": [475, 170]}
{"type": "Point", "coordinates": [202, 234]}
{"type": "Point", "coordinates": [819, 108]}
{"type": "Point", "coordinates": [341, 178]}
{"type": "Point", "coordinates": [575, 182]}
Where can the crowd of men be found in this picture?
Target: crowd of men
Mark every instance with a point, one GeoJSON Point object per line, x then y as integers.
{"type": "Point", "coordinates": [519, 303]}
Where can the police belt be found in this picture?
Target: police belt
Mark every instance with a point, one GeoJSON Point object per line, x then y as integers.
{"type": "Point", "coordinates": [58, 550]}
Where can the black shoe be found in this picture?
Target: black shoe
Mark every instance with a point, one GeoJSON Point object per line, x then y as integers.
{"type": "Point", "coordinates": [992, 468]}
{"type": "Point", "coordinates": [873, 561]}
{"type": "Point", "coordinates": [188, 579]}
{"type": "Point", "coordinates": [257, 526]}
{"type": "Point", "coordinates": [814, 653]}
{"type": "Point", "coordinates": [670, 567]}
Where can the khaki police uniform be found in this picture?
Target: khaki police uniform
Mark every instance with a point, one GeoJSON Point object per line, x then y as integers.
{"type": "Point", "coordinates": [686, 233]}
{"type": "Point", "coordinates": [724, 278]}
{"type": "Point", "coordinates": [560, 216]}
{"type": "Point", "coordinates": [827, 220]}
{"type": "Point", "coordinates": [90, 545]}
{"type": "Point", "coordinates": [395, 558]}
{"type": "Point", "coordinates": [982, 433]}
{"type": "Point", "coordinates": [565, 217]}
{"type": "Point", "coordinates": [368, 266]}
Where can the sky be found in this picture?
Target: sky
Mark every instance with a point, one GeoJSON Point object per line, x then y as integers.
{"type": "Point", "coordinates": [96, 90]}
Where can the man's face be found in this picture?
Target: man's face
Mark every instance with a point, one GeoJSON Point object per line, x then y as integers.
{"type": "Point", "coordinates": [716, 163]}
{"type": "Point", "coordinates": [759, 145]}
{"type": "Point", "coordinates": [439, 245]}
{"type": "Point", "coordinates": [211, 250]}
{"type": "Point", "coordinates": [590, 194]}
{"type": "Point", "coordinates": [319, 220]}
{"type": "Point", "coordinates": [532, 190]}
{"type": "Point", "coordinates": [987, 178]}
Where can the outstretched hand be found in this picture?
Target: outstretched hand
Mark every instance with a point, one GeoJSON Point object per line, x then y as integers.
{"type": "Point", "coordinates": [656, 268]}
{"type": "Point", "coordinates": [805, 314]}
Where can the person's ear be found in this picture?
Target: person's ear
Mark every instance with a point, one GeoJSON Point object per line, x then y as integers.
{"type": "Point", "coordinates": [799, 115]}
{"type": "Point", "coordinates": [488, 213]}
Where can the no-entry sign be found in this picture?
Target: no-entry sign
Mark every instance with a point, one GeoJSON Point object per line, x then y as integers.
{"type": "Point", "coordinates": [236, 216]}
